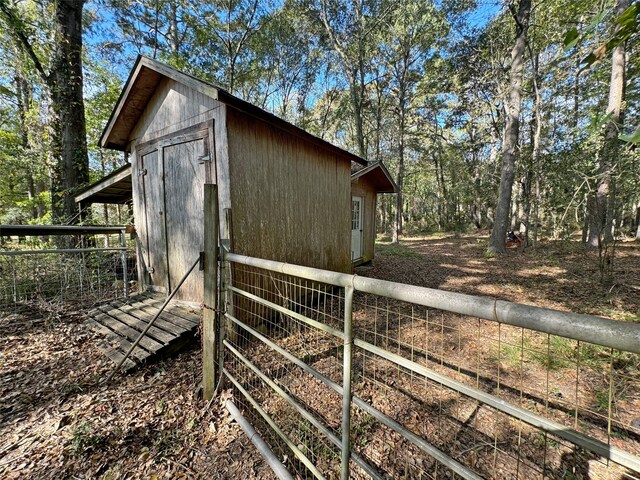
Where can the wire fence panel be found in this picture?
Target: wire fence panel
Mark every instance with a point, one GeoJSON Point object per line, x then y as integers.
{"type": "Point", "coordinates": [39, 281]}
{"type": "Point", "coordinates": [436, 393]}
{"type": "Point", "coordinates": [260, 326]}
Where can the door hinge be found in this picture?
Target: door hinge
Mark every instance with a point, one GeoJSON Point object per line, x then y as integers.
{"type": "Point", "coordinates": [204, 158]}
{"type": "Point", "coordinates": [150, 270]}
{"type": "Point", "coordinates": [142, 172]}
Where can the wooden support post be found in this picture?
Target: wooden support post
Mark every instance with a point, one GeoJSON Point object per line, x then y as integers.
{"type": "Point", "coordinates": [210, 367]}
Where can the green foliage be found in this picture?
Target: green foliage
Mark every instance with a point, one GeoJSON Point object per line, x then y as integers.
{"type": "Point", "coordinates": [85, 438]}
{"type": "Point", "coordinates": [430, 94]}
{"type": "Point", "coordinates": [395, 250]}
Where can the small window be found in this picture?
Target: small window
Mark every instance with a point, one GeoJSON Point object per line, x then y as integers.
{"type": "Point", "coordinates": [355, 215]}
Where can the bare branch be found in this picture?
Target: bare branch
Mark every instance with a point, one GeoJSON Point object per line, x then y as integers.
{"type": "Point", "coordinates": [18, 31]}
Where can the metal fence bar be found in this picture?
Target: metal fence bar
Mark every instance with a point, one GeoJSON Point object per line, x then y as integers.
{"type": "Point", "coordinates": [622, 336]}
{"type": "Point", "coordinates": [442, 457]}
{"type": "Point", "coordinates": [296, 451]}
{"type": "Point", "coordinates": [600, 448]}
{"type": "Point", "coordinates": [457, 467]}
{"type": "Point", "coordinates": [588, 328]}
{"type": "Point", "coordinates": [372, 472]}
{"type": "Point", "coordinates": [290, 313]}
{"type": "Point", "coordinates": [274, 462]}
{"type": "Point", "coordinates": [123, 258]}
{"type": "Point", "coordinates": [326, 380]}
{"type": "Point", "coordinates": [63, 250]}
{"type": "Point", "coordinates": [45, 230]}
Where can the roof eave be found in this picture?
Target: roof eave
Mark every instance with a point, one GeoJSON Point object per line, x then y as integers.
{"type": "Point", "coordinates": [217, 93]}
{"type": "Point", "coordinates": [392, 187]}
{"type": "Point", "coordinates": [261, 114]}
{"type": "Point", "coordinates": [121, 175]}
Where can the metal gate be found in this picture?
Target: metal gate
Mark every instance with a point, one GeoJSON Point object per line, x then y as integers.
{"type": "Point", "coordinates": [357, 377]}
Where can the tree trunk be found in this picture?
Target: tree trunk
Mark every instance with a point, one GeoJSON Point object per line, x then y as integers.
{"type": "Point", "coordinates": [69, 135]}
{"type": "Point", "coordinates": [536, 130]}
{"type": "Point", "coordinates": [357, 88]}
{"type": "Point", "coordinates": [397, 227]}
{"type": "Point", "coordinates": [511, 130]}
{"type": "Point", "coordinates": [24, 99]}
{"type": "Point", "coordinates": [64, 83]}
{"type": "Point", "coordinates": [174, 35]}
{"type": "Point", "coordinates": [602, 204]}
{"type": "Point", "coordinates": [592, 221]}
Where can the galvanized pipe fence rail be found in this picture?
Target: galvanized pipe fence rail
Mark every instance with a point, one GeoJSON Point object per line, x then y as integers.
{"type": "Point", "coordinates": [364, 378]}
{"type": "Point", "coordinates": [79, 266]}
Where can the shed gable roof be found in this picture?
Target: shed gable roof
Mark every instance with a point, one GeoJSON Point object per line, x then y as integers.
{"type": "Point", "coordinates": [378, 175]}
{"type": "Point", "coordinates": [142, 83]}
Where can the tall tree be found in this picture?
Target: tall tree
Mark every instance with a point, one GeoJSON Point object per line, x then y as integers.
{"type": "Point", "coordinates": [407, 47]}
{"type": "Point", "coordinates": [604, 202]}
{"type": "Point", "coordinates": [349, 27]}
{"type": "Point", "coordinates": [63, 79]}
{"type": "Point", "coordinates": [512, 126]}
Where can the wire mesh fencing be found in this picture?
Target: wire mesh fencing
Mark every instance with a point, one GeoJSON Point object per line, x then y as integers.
{"type": "Point", "coordinates": [406, 382]}
{"type": "Point", "coordinates": [40, 281]}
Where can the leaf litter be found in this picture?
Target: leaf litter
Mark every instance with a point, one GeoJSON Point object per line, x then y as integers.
{"type": "Point", "coordinates": [58, 421]}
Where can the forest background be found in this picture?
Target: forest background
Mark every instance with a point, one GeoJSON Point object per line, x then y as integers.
{"type": "Point", "coordinates": [489, 114]}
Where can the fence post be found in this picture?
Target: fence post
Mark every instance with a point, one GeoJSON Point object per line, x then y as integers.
{"type": "Point", "coordinates": [346, 381]}
{"type": "Point", "coordinates": [125, 274]}
{"type": "Point", "coordinates": [210, 368]}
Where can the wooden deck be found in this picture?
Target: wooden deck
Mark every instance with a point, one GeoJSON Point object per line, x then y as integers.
{"type": "Point", "coordinates": [122, 321]}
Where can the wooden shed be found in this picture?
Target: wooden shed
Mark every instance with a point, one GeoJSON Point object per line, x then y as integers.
{"type": "Point", "coordinates": [366, 184]}
{"type": "Point", "coordinates": [284, 194]}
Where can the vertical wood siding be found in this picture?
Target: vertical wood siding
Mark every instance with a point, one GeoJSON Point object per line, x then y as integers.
{"type": "Point", "coordinates": [174, 183]}
{"type": "Point", "coordinates": [153, 236]}
{"type": "Point", "coordinates": [290, 199]}
{"type": "Point", "coordinates": [173, 107]}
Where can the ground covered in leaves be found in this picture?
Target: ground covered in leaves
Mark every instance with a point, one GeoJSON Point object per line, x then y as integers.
{"type": "Point", "coordinates": [58, 421]}
{"type": "Point", "coordinates": [560, 274]}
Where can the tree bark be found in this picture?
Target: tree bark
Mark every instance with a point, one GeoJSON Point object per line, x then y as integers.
{"type": "Point", "coordinates": [64, 83]}
{"type": "Point", "coordinates": [24, 100]}
{"type": "Point", "coordinates": [512, 127]}
{"type": "Point", "coordinates": [536, 131]}
{"type": "Point", "coordinates": [70, 137]}
{"type": "Point", "coordinates": [397, 226]}
{"type": "Point", "coordinates": [604, 205]}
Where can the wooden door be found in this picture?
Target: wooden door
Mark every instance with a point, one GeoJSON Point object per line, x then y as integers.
{"type": "Point", "coordinates": [356, 228]}
{"type": "Point", "coordinates": [187, 167]}
{"type": "Point", "coordinates": [154, 247]}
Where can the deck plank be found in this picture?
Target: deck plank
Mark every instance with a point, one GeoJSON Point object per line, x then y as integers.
{"type": "Point", "coordinates": [170, 316]}
{"type": "Point", "coordinates": [123, 344]}
{"type": "Point", "coordinates": [116, 357]}
{"type": "Point", "coordinates": [154, 332]}
{"type": "Point", "coordinates": [182, 312]}
{"type": "Point", "coordinates": [127, 332]}
{"type": "Point", "coordinates": [163, 322]}
{"type": "Point", "coordinates": [145, 311]}
{"type": "Point", "coordinates": [122, 321]}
